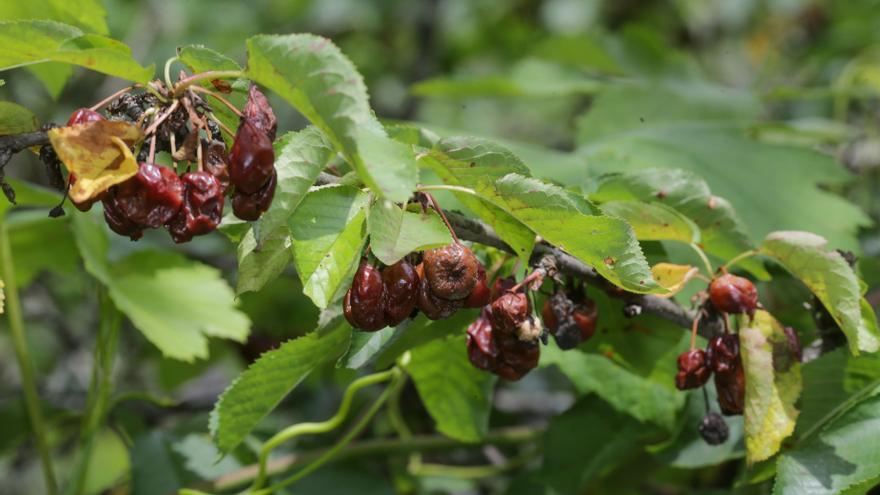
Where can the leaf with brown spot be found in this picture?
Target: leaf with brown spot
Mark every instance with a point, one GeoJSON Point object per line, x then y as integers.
{"type": "Point", "coordinates": [673, 277]}
{"type": "Point", "coordinates": [98, 153]}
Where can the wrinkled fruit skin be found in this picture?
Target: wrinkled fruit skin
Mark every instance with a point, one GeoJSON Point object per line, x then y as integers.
{"type": "Point", "coordinates": [118, 222]}
{"type": "Point", "coordinates": [517, 358]}
{"type": "Point", "coordinates": [451, 271]}
{"type": "Point", "coordinates": [504, 355]}
{"type": "Point", "coordinates": [574, 324]}
{"type": "Point", "coordinates": [251, 160]}
{"type": "Point", "coordinates": [508, 312]}
{"type": "Point", "coordinates": [251, 206]}
{"type": "Point", "coordinates": [84, 115]}
{"type": "Point", "coordinates": [364, 303]}
{"type": "Point", "coordinates": [434, 308]}
{"type": "Point", "coordinates": [732, 294]}
{"type": "Point", "coordinates": [479, 296]}
{"type": "Point", "coordinates": [714, 429]}
{"type": "Point", "coordinates": [258, 112]}
{"type": "Point", "coordinates": [482, 351]}
{"type": "Point", "coordinates": [693, 369]}
{"type": "Point", "coordinates": [730, 380]}
{"type": "Point", "coordinates": [202, 207]}
{"type": "Point", "coordinates": [152, 197]}
{"type": "Point", "coordinates": [402, 285]}
{"type": "Point", "coordinates": [215, 162]}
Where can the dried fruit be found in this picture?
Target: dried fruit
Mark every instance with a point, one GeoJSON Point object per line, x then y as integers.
{"type": "Point", "coordinates": [730, 381]}
{"type": "Point", "coordinates": [118, 222]}
{"type": "Point", "coordinates": [258, 112]}
{"type": "Point", "coordinates": [364, 303]}
{"type": "Point", "coordinates": [250, 206]}
{"type": "Point", "coordinates": [482, 351]}
{"type": "Point", "coordinates": [732, 294]}
{"type": "Point", "coordinates": [714, 429]}
{"type": "Point", "coordinates": [402, 285]}
{"type": "Point", "coordinates": [517, 357]}
{"type": "Point", "coordinates": [435, 308]}
{"type": "Point", "coordinates": [723, 353]}
{"type": "Point", "coordinates": [251, 160]}
{"type": "Point", "coordinates": [215, 161]}
{"type": "Point", "coordinates": [451, 271]}
{"type": "Point", "coordinates": [508, 312]}
{"type": "Point", "coordinates": [479, 295]}
{"type": "Point", "coordinates": [202, 207]}
{"type": "Point", "coordinates": [693, 369]}
{"type": "Point", "coordinates": [569, 323]}
{"type": "Point", "coordinates": [152, 197]}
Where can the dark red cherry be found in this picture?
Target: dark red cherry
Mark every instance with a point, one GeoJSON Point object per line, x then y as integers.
{"type": "Point", "coordinates": [693, 369]}
{"type": "Point", "coordinates": [258, 112]}
{"type": "Point", "coordinates": [364, 304]}
{"type": "Point", "coordinates": [202, 207]}
{"type": "Point", "coordinates": [118, 222]}
{"type": "Point", "coordinates": [479, 295]}
{"type": "Point", "coordinates": [482, 351]}
{"type": "Point", "coordinates": [723, 353]}
{"type": "Point", "coordinates": [152, 197]}
{"type": "Point", "coordinates": [215, 161]}
{"type": "Point", "coordinates": [402, 286]}
{"type": "Point", "coordinates": [732, 294]}
{"type": "Point", "coordinates": [84, 115]}
{"type": "Point", "coordinates": [508, 312]}
{"type": "Point", "coordinates": [251, 160]}
{"type": "Point", "coordinates": [251, 206]}
{"type": "Point", "coordinates": [435, 308]}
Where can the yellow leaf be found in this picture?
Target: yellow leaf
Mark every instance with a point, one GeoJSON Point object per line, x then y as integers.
{"type": "Point", "coordinates": [98, 153]}
{"type": "Point", "coordinates": [673, 277]}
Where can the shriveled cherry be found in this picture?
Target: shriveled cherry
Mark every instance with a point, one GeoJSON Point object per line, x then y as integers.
{"type": "Point", "coordinates": [723, 353]}
{"type": "Point", "coordinates": [568, 322]}
{"type": "Point", "coordinates": [251, 160]}
{"type": "Point", "coordinates": [251, 206]}
{"type": "Point", "coordinates": [202, 207]}
{"type": "Point", "coordinates": [118, 222]}
{"type": "Point", "coordinates": [732, 294]}
{"type": "Point", "coordinates": [152, 197]}
{"type": "Point", "coordinates": [402, 284]}
{"type": "Point", "coordinates": [730, 383]}
{"type": "Point", "coordinates": [693, 369]}
{"type": "Point", "coordinates": [215, 160]}
{"type": "Point", "coordinates": [258, 112]}
{"type": "Point", "coordinates": [435, 308]}
{"type": "Point", "coordinates": [451, 270]}
{"type": "Point", "coordinates": [479, 295]}
{"type": "Point", "coordinates": [482, 351]}
{"type": "Point", "coordinates": [364, 303]}
{"type": "Point", "coordinates": [508, 312]}
{"type": "Point", "coordinates": [84, 115]}
{"type": "Point", "coordinates": [714, 429]}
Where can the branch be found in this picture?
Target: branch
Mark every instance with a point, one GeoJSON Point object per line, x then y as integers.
{"type": "Point", "coordinates": [20, 142]}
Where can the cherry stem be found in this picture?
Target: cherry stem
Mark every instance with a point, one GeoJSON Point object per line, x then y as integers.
{"type": "Point", "coordinates": [219, 98]}
{"type": "Point", "coordinates": [112, 97]}
{"type": "Point", "coordinates": [168, 70]}
{"type": "Point", "coordinates": [199, 156]}
{"type": "Point", "coordinates": [222, 126]}
{"type": "Point", "coordinates": [173, 139]}
{"type": "Point", "coordinates": [152, 149]}
{"type": "Point", "coordinates": [704, 259]}
{"type": "Point", "coordinates": [726, 323]}
{"type": "Point", "coordinates": [705, 398]}
{"type": "Point", "coordinates": [439, 210]}
{"type": "Point", "coordinates": [736, 259]}
{"type": "Point", "coordinates": [694, 327]}
{"type": "Point", "coordinates": [531, 277]}
{"type": "Point", "coordinates": [156, 123]}
{"type": "Point", "coordinates": [212, 74]}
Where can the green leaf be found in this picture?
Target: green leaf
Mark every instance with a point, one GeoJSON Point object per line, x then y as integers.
{"type": "Point", "coordinates": [202, 59]}
{"type": "Point", "coordinates": [176, 304]}
{"type": "Point", "coordinates": [420, 331]}
{"type": "Point", "coordinates": [721, 232]}
{"type": "Point", "coordinates": [365, 346]}
{"type": "Point", "coordinates": [843, 454]}
{"type": "Point", "coordinates": [31, 42]}
{"type": "Point", "coordinates": [311, 74]}
{"type": "Point", "coordinates": [93, 244]}
{"type": "Point", "coordinates": [16, 119]}
{"type": "Point", "coordinates": [394, 233]}
{"type": "Point", "coordinates": [88, 15]}
{"type": "Point", "coordinates": [260, 388]}
{"type": "Point", "coordinates": [264, 250]}
{"type": "Point", "coordinates": [830, 278]}
{"type": "Point", "coordinates": [654, 221]}
{"type": "Point", "coordinates": [457, 395]}
{"type": "Point", "coordinates": [773, 385]}
{"type": "Point", "coordinates": [588, 440]}
{"type": "Point", "coordinates": [328, 234]}
{"type": "Point", "coordinates": [40, 243]}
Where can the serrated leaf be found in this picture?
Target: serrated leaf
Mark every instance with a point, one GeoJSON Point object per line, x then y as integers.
{"type": "Point", "coordinates": [653, 221]}
{"type": "Point", "coordinates": [673, 277]}
{"type": "Point", "coordinates": [721, 232]}
{"type": "Point", "coordinates": [34, 41]}
{"type": "Point", "coordinates": [16, 119]}
{"type": "Point", "coordinates": [830, 278]}
{"type": "Point", "coordinates": [260, 388]}
{"type": "Point", "coordinates": [394, 233]}
{"type": "Point", "coordinates": [365, 346]}
{"type": "Point", "coordinates": [843, 454]}
{"type": "Point", "coordinates": [264, 249]}
{"type": "Point", "coordinates": [773, 385]}
{"type": "Point", "coordinates": [176, 304]}
{"type": "Point", "coordinates": [311, 74]}
{"type": "Point", "coordinates": [457, 395]}
{"type": "Point", "coordinates": [328, 233]}
{"type": "Point", "coordinates": [97, 152]}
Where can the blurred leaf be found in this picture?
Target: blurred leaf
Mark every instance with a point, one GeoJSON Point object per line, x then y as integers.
{"type": "Point", "coordinates": [88, 15]}
{"type": "Point", "coordinates": [773, 385]}
{"type": "Point", "coordinates": [394, 233]}
{"type": "Point", "coordinates": [420, 331]}
{"type": "Point", "coordinates": [721, 232]}
{"type": "Point", "coordinates": [40, 243]}
{"type": "Point", "coordinates": [98, 153]}
{"type": "Point", "coordinates": [843, 454]}
{"type": "Point", "coordinates": [200, 58]}
{"type": "Point", "coordinates": [673, 277]}
{"type": "Point", "coordinates": [457, 395]}
{"type": "Point", "coordinates": [53, 75]}
{"type": "Point", "coordinates": [260, 388]}
{"type": "Point", "coordinates": [201, 457]}
{"type": "Point", "coordinates": [328, 234]}
{"type": "Point", "coordinates": [93, 245]}
{"type": "Point", "coordinates": [653, 221]}
{"type": "Point", "coordinates": [176, 304]}
{"type": "Point", "coordinates": [588, 440]}
{"type": "Point", "coordinates": [31, 42]}
{"type": "Point", "coordinates": [823, 389]}
{"type": "Point", "coordinates": [831, 279]}
{"type": "Point", "coordinates": [264, 250]}
{"type": "Point", "coordinates": [16, 119]}
{"type": "Point", "coordinates": [154, 466]}
{"type": "Point", "coordinates": [311, 74]}
{"type": "Point", "coordinates": [2, 297]}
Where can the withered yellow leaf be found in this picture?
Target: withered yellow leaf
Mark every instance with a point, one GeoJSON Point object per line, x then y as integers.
{"type": "Point", "coordinates": [98, 153]}
{"type": "Point", "coordinates": [673, 277]}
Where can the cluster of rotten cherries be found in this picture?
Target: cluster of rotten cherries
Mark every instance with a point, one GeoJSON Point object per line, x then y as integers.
{"type": "Point", "coordinates": [189, 204]}
{"type": "Point", "coordinates": [505, 336]}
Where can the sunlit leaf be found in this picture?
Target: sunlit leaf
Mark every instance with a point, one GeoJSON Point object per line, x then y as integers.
{"type": "Point", "coordinates": [673, 277]}
{"type": "Point", "coordinates": [97, 152]}
{"type": "Point", "coordinates": [15, 119]}
{"type": "Point", "coordinates": [654, 221]}
{"type": "Point", "coordinates": [394, 233]}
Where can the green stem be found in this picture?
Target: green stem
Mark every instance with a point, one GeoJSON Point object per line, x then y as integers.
{"type": "Point", "coordinates": [741, 256]}
{"type": "Point", "coordinates": [28, 382]}
{"type": "Point", "coordinates": [444, 187]}
{"type": "Point", "coordinates": [100, 388]}
{"type": "Point", "coordinates": [168, 70]}
{"type": "Point", "coordinates": [397, 381]}
{"type": "Point", "coordinates": [298, 429]}
{"type": "Point", "coordinates": [475, 472]}
{"type": "Point", "coordinates": [213, 74]}
{"type": "Point", "coordinates": [704, 258]}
